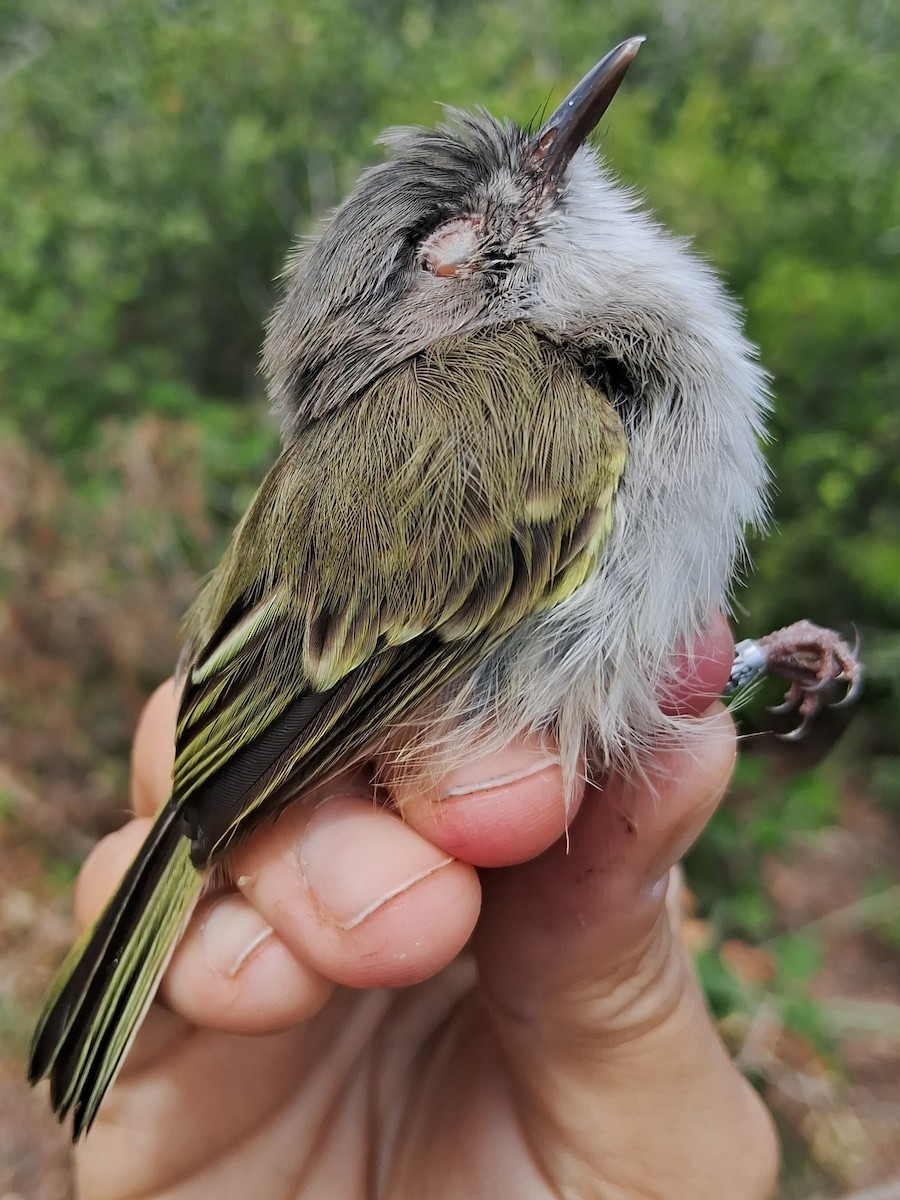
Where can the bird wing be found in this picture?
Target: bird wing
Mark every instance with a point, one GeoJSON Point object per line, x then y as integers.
{"type": "Point", "coordinates": [391, 547]}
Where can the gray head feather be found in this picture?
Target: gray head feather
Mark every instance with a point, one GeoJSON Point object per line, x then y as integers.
{"type": "Point", "coordinates": [357, 300]}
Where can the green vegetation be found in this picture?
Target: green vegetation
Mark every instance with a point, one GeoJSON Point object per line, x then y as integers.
{"type": "Point", "coordinates": [156, 160]}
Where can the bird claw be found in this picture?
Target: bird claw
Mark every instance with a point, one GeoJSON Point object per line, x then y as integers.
{"type": "Point", "coordinates": [809, 706]}
{"type": "Point", "coordinates": [854, 687]}
{"type": "Point", "coordinates": [822, 685]}
{"type": "Point", "coordinates": [789, 703]}
{"type": "Point", "coordinates": [798, 733]}
{"type": "Point", "coordinates": [813, 659]}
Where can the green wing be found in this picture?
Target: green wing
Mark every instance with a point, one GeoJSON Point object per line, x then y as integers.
{"type": "Point", "coordinates": [389, 550]}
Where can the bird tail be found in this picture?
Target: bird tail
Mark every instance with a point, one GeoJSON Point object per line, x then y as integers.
{"type": "Point", "coordinates": [107, 981]}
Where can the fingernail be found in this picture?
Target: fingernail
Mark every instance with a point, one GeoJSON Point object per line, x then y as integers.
{"type": "Point", "coordinates": [356, 859]}
{"type": "Point", "coordinates": [232, 931]}
{"type": "Point", "coordinates": [507, 767]}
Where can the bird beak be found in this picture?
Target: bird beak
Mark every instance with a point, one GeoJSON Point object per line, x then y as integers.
{"type": "Point", "coordinates": [560, 136]}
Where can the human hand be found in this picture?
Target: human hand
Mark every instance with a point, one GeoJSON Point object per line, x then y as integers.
{"type": "Point", "coordinates": [567, 1052]}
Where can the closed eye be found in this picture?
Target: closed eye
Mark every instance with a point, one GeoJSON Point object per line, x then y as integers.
{"type": "Point", "coordinates": [454, 248]}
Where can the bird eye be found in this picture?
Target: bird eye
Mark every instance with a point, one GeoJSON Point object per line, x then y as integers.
{"type": "Point", "coordinates": [453, 248]}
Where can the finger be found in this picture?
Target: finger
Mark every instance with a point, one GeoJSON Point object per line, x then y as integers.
{"type": "Point", "coordinates": [698, 676]}
{"type": "Point", "coordinates": [698, 673]}
{"type": "Point", "coordinates": [234, 952]}
{"type": "Point", "coordinates": [153, 751]}
{"type": "Point", "coordinates": [496, 809]}
{"type": "Point", "coordinates": [355, 893]}
{"type": "Point", "coordinates": [232, 972]}
{"type": "Point", "coordinates": [554, 930]}
{"type": "Point", "coordinates": [509, 807]}
{"type": "Point", "coordinates": [229, 972]}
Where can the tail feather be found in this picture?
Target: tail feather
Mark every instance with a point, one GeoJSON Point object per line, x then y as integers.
{"type": "Point", "coordinates": [107, 982]}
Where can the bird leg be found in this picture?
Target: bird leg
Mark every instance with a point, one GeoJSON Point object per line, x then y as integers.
{"type": "Point", "coordinates": [812, 658]}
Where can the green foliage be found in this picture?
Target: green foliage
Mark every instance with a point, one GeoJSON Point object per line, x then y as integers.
{"type": "Point", "coordinates": [766, 817]}
{"type": "Point", "coordinates": [727, 865]}
{"type": "Point", "coordinates": [724, 993]}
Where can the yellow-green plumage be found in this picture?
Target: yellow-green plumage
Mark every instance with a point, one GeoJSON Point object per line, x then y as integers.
{"type": "Point", "coordinates": [109, 977]}
{"type": "Point", "coordinates": [393, 545]}
{"type": "Point", "coordinates": [469, 488]}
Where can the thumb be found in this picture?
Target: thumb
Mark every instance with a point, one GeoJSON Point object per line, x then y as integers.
{"type": "Point", "coordinates": [606, 1040]}
{"type": "Point", "coordinates": [561, 928]}
{"type": "Point", "coordinates": [564, 940]}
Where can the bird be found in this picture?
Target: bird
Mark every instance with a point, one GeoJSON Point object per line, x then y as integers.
{"type": "Point", "coordinates": [522, 431]}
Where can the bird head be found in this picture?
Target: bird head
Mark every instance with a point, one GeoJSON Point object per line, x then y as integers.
{"type": "Point", "coordinates": [463, 227]}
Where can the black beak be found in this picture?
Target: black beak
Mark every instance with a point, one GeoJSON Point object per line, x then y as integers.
{"type": "Point", "coordinates": [561, 135]}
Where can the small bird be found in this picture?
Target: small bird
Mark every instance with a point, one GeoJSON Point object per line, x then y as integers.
{"type": "Point", "coordinates": [521, 446]}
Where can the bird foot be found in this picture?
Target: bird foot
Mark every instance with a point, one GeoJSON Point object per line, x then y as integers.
{"type": "Point", "coordinates": [814, 659]}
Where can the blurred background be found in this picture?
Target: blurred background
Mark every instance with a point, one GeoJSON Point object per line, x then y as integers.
{"type": "Point", "coordinates": [156, 159]}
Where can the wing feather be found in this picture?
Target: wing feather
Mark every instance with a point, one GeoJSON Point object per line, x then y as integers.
{"type": "Point", "coordinates": [389, 550]}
